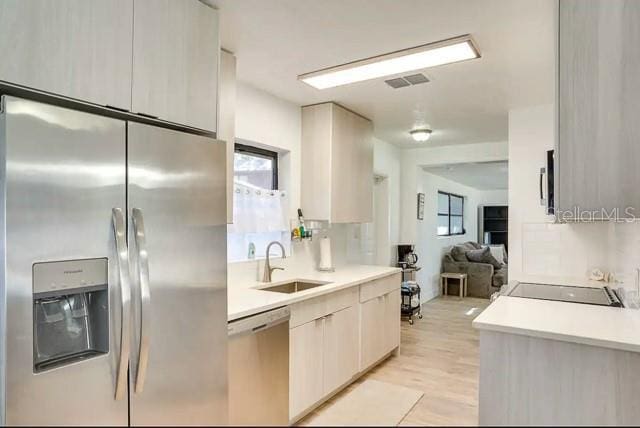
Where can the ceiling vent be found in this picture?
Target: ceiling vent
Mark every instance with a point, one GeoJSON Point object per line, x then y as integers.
{"type": "Point", "coordinates": [397, 83]}
{"type": "Point", "coordinates": [403, 82]}
{"type": "Point", "coordinates": [416, 79]}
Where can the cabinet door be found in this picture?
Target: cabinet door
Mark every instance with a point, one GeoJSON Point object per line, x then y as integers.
{"type": "Point", "coordinates": [372, 328]}
{"type": "Point", "coordinates": [175, 61]}
{"type": "Point", "coordinates": [392, 319]}
{"type": "Point", "coordinates": [341, 351]}
{"type": "Point", "coordinates": [305, 366]}
{"type": "Point", "coordinates": [363, 195]}
{"type": "Point", "coordinates": [352, 167]}
{"type": "Point", "coordinates": [315, 174]}
{"type": "Point", "coordinates": [344, 166]}
{"type": "Point", "coordinates": [599, 99]}
{"type": "Point", "coordinates": [76, 48]}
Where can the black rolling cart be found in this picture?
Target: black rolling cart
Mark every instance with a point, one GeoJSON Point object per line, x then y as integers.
{"type": "Point", "coordinates": [410, 293]}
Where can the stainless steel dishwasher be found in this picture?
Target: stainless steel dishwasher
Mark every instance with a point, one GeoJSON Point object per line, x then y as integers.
{"type": "Point", "coordinates": [259, 369]}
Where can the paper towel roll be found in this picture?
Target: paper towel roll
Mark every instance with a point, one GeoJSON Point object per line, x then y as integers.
{"type": "Point", "coordinates": [325, 254]}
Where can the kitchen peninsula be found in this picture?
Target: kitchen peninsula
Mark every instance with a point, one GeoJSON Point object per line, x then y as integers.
{"type": "Point", "coordinates": [556, 363]}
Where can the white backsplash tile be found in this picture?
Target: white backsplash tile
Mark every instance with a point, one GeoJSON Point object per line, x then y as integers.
{"type": "Point", "coordinates": [575, 249]}
{"type": "Point", "coordinates": [350, 244]}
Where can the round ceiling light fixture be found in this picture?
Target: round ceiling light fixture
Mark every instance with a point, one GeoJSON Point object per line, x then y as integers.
{"type": "Point", "coordinates": [421, 134]}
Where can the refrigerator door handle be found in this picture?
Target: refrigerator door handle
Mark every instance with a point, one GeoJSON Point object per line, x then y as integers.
{"type": "Point", "coordinates": [145, 297]}
{"type": "Point", "coordinates": [125, 293]}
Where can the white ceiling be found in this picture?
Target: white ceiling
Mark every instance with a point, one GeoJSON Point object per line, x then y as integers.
{"type": "Point", "coordinates": [479, 175]}
{"type": "Point", "coordinates": [276, 40]}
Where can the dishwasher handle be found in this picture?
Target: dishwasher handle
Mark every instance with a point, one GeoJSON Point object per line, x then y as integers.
{"type": "Point", "coordinates": [256, 323]}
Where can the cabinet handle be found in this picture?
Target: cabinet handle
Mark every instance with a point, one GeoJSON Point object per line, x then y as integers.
{"type": "Point", "coordinates": [542, 200]}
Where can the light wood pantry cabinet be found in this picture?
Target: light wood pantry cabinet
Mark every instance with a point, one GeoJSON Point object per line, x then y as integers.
{"type": "Point", "coordinates": [175, 61]}
{"type": "Point", "coordinates": [337, 164]}
{"type": "Point", "coordinates": [598, 150]}
{"type": "Point", "coordinates": [75, 48]}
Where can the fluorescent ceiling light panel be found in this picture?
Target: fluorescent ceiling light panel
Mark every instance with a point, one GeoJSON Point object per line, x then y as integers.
{"type": "Point", "coordinates": [430, 55]}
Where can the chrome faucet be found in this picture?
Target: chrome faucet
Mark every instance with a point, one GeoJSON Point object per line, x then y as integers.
{"type": "Point", "coordinates": [267, 265]}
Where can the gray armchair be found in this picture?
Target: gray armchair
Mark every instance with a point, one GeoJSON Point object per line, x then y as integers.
{"type": "Point", "coordinates": [483, 279]}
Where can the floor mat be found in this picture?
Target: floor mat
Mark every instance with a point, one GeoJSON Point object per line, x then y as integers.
{"type": "Point", "coordinates": [370, 403]}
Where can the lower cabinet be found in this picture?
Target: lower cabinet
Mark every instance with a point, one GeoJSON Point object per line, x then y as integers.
{"type": "Point", "coordinates": [336, 336]}
{"type": "Point", "coordinates": [380, 327]}
{"type": "Point", "coordinates": [372, 319]}
{"type": "Point", "coordinates": [305, 363]}
{"type": "Point", "coordinates": [323, 357]}
{"type": "Point", "coordinates": [341, 351]}
{"type": "Point", "coordinates": [392, 319]}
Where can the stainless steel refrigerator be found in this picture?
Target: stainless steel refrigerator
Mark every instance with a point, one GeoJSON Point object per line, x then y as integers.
{"type": "Point", "coordinates": [113, 275]}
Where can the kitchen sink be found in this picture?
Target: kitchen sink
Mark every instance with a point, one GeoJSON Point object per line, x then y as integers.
{"type": "Point", "coordinates": [294, 287]}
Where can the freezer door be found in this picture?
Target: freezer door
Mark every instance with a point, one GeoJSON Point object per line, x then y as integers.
{"type": "Point", "coordinates": [63, 173]}
{"type": "Point", "coordinates": [177, 200]}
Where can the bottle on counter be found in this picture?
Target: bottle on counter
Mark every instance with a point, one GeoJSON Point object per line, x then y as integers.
{"type": "Point", "coordinates": [301, 228]}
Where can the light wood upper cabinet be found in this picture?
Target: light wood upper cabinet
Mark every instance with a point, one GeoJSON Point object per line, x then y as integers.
{"type": "Point", "coordinates": [337, 164]}
{"type": "Point", "coordinates": [598, 147]}
{"type": "Point", "coordinates": [175, 61]}
{"type": "Point", "coordinates": [76, 48]}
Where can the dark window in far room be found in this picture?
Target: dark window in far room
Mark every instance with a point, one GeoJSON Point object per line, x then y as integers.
{"type": "Point", "coordinates": [450, 214]}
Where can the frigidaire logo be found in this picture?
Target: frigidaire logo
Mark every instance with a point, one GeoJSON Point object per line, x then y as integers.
{"type": "Point", "coordinates": [68, 272]}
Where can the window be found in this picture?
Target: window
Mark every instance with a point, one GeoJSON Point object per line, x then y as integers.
{"type": "Point", "coordinates": [255, 166]}
{"type": "Point", "coordinates": [260, 209]}
{"type": "Point", "coordinates": [450, 214]}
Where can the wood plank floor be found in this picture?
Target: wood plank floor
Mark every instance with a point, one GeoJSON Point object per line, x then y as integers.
{"type": "Point", "coordinates": [438, 355]}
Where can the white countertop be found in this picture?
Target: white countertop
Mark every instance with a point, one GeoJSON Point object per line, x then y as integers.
{"type": "Point", "coordinates": [246, 298]}
{"type": "Point", "coordinates": [609, 327]}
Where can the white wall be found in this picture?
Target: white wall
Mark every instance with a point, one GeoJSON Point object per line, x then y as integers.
{"type": "Point", "coordinates": [494, 197]}
{"type": "Point", "coordinates": [537, 246]}
{"type": "Point", "coordinates": [357, 247]}
{"type": "Point", "coordinates": [431, 247]}
{"type": "Point", "coordinates": [387, 163]}
{"type": "Point", "coordinates": [271, 121]}
{"type": "Point", "coordinates": [414, 159]}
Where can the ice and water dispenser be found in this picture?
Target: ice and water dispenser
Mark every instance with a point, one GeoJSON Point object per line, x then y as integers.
{"type": "Point", "coordinates": [70, 312]}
